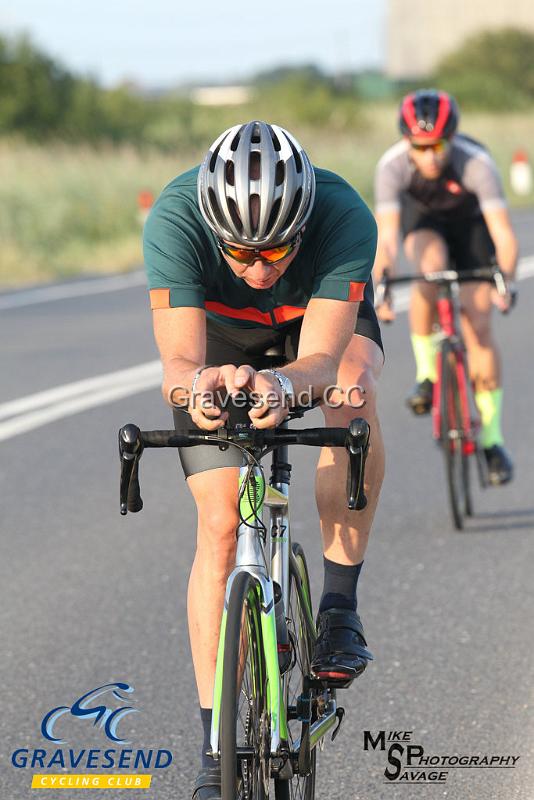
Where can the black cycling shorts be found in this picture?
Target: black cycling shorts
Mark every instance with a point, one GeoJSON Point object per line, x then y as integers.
{"type": "Point", "coordinates": [468, 240]}
{"type": "Point", "coordinates": [230, 345]}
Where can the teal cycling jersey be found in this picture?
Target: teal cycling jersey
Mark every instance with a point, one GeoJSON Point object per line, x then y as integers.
{"type": "Point", "coordinates": [186, 268]}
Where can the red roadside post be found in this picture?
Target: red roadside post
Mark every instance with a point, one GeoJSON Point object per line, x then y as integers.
{"type": "Point", "coordinates": [521, 173]}
{"type": "Point", "coordinates": [145, 201]}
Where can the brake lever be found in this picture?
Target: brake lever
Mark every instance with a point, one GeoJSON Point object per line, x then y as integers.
{"type": "Point", "coordinates": [505, 289]}
{"type": "Point", "coordinates": [130, 449]}
{"type": "Point", "coordinates": [383, 291]}
{"type": "Point", "coordinates": [500, 283]}
{"type": "Point", "coordinates": [357, 444]}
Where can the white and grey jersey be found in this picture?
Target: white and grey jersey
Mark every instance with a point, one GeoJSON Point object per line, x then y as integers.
{"type": "Point", "coordinates": [469, 184]}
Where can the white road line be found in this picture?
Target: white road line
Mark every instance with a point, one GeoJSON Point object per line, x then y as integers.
{"type": "Point", "coordinates": [27, 413]}
{"type": "Point", "coordinates": [65, 408]}
{"type": "Point", "coordinates": [45, 294]}
{"type": "Point", "coordinates": [133, 375]}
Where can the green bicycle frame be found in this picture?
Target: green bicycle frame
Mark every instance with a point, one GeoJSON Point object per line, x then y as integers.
{"type": "Point", "coordinates": [251, 558]}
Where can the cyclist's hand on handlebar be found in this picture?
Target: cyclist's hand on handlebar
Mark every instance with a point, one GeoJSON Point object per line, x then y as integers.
{"type": "Point", "coordinates": [269, 406]}
{"type": "Point", "coordinates": [505, 300]}
{"type": "Point", "coordinates": [383, 300]}
{"type": "Point", "coordinates": [385, 311]}
{"type": "Point", "coordinates": [203, 406]}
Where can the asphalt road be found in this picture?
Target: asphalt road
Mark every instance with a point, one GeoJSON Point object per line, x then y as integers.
{"type": "Point", "coordinates": [88, 597]}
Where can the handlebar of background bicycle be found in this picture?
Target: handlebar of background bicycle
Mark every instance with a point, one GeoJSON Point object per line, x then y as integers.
{"type": "Point", "coordinates": [482, 274]}
{"type": "Point", "coordinates": [355, 439]}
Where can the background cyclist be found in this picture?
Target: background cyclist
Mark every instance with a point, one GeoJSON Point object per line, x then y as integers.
{"type": "Point", "coordinates": [256, 248]}
{"type": "Point", "coordinates": [442, 191]}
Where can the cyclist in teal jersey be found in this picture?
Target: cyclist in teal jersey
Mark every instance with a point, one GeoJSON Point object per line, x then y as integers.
{"type": "Point", "coordinates": [253, 249]}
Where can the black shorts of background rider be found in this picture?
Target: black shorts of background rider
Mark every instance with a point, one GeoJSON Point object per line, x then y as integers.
{"type": "Point", "coordinates": [232, 345]}
{"type": "Point", "coordinates": [468, 240]}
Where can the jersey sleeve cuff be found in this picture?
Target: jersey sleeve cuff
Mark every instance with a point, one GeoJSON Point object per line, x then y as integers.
{"type": "Point", "coordinates": [351, 291]}
{"type": "Point", "coordinates": [384, 208]}
{"type": "Point", "coordinates": [489, 205]}
{"type": "Point", "coordinates": [175, 298]}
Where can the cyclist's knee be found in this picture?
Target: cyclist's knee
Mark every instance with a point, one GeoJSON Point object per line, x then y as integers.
{"type": "Point", "coordinates": [216, 537]}
{"type": "Point", "coordinates": [480, 329]}
{"type": "Point", "coordinates": [356, 398]}
{"type": "Point", "coordinates": [216, 496]}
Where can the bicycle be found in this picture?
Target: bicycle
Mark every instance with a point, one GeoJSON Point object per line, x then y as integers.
{"type": "Point", "coordinates": [455, 418]}
{"type": "Point", "coordinates": [269, 712]}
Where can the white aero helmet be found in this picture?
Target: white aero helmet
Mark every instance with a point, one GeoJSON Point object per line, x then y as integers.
{"type": "Point", "coordinates": [256, 185]}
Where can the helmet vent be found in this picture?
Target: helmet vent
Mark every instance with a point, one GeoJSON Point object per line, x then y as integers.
{"type": "Point", "coordinates": [276, 142]}
{"type": "Point", "coordinates": [255, 165]}
{"type": "Point", "coordinates": [235, 141]}
{"type": "Point", "coordinates": [214, 208]}
{"type": "Point", "coordinates": [213, 159]}
{"type": "Point", "coordinates": [230, 173]}
{"type": "Point", "coordinates": [256, 134]}
{"type": "Point", "coordinates": [234, 213]}
{"type": "Point", "coordinates": [296, 203]}
{"type": "Point", "coordinates": [280, 173]}
{"type": "Point", "coordinates": [254, 209]}
{"type": "Point", "coordinates": [296, 154]}
{"type": "Point", "coordinates": [274, 213]}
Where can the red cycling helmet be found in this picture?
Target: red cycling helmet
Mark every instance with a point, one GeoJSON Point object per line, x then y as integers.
{"type": "Point", "coordinates": [428, 114]}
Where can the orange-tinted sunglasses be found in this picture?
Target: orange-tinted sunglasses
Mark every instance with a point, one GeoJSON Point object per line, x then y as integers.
{"type": "Point", "coordinates": [247, 255]}
{"type": "Point", "coordinates": [438, 147]}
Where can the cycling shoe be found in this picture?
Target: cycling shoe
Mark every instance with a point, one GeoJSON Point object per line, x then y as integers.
{"type": "Point", "coordinates": [499, 463]}
{"type": "Point", "coordinates": [420, 400]}
{"type": "Point", "coordinates": [340, 652]}
{"type": "Point", "coordinates": [208, 784]}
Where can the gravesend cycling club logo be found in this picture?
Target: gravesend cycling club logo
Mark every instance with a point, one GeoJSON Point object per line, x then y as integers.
{"type": "Point", "coordinates": [408, 762]}
{"type": "Point", "coordinates": [104, 709]}
{"type": "Point", "coordinates": [107, 718]}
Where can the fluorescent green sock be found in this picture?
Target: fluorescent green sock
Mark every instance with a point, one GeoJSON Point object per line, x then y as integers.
{"type": "Point", "coordinates": [424, 350]}
{"type": "Point", "coordinates": [489, 404]}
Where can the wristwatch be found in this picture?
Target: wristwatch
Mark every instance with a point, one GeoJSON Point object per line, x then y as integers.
{"type": "Point", "coordinates": [286, 385]}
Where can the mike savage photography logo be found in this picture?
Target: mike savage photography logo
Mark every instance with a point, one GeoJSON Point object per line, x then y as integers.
{"type": "Point", "coordinates": [97, 708]}
{"type": "Point", "coordinates": [408, 762]}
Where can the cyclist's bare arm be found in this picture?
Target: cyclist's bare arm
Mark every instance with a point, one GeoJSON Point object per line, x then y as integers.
{"type": "Point", "coordinates": [388, 242]}
{"type": "Point", "coordinates": [386, 254]}
{"type": "Point", "coordinates": [180, 335]}
{"type": "Point", "coordinates": [504, 239]}
{"type": "Point", "coordinates": [327, 329]}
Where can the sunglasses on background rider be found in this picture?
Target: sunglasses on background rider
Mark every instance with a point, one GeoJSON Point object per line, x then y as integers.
{"type": "Point", "coordinates": [247, 255]}
{"type": "Point", "coordinates": [439, 147]}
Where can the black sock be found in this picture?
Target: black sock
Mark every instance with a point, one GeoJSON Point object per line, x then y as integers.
{"type": "Point", "coordinates": [340, 584]}
{"type": "Point", "coordinates": [205, 716]}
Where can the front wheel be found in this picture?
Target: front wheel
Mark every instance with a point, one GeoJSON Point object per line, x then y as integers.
{"type": "Point", "coordinates": [301, 635]}
{"type": "Point", "coordinates": [245, 723]}
{"type": "Point", "coordinates": [453, 437]}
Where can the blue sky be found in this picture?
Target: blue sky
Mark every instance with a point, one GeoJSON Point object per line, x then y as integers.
{"type": "Point", "coordinates": [159, 42]}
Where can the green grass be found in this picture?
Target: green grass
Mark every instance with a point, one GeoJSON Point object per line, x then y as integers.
{"type": "Point", "coordinates": [71, 210]}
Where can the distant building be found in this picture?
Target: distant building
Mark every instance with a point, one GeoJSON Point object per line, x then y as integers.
{"type": "Point", "coordinates": [420, 32]}
{"type": "Point", "coordinates": [221, 95]}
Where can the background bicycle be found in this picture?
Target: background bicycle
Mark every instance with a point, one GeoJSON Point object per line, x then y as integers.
{"type": "Point", "coordinates": [455, 418]}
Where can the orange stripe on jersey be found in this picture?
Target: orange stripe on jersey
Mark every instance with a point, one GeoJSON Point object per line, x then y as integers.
{"type": "Point", "coordinates": [160, 298]}
{"type": "Point", "coordinates": [252, 314]}
{"type": "Point", "coordinates": [356, 291]}
{"type": "Point", "coordinates": [287, 313]}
